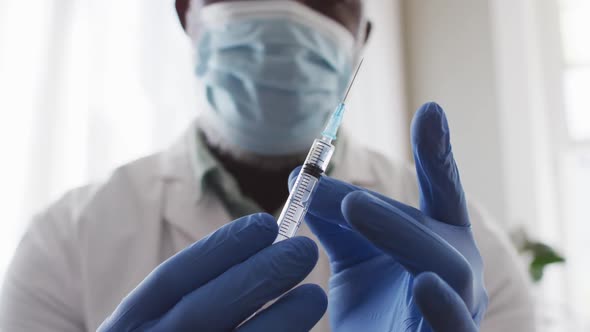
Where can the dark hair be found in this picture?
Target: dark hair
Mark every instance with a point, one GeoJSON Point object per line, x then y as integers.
{"type": "Point", "coordinates": [181, 9]}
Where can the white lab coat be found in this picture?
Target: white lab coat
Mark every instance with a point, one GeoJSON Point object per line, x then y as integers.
{"type": "Point", "coordinates": [81, 256]}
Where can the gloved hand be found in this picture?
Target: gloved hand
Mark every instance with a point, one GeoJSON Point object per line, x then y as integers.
{"type": "Point", "coordinates": [220, 281]}
{"type": "Point", "coordinates": [396, 268]}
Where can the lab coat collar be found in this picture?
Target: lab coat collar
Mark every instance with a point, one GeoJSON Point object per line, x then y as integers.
{"type": "Point", "coordinates": [186, 202]}
{"type": "Point", "coordinates": [177, 162]}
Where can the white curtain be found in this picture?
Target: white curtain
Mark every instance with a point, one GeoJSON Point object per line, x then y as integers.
{"type": "Point", "coordinates": [87, 85]}
{"type": "Point", "coordinates": [543, 56]}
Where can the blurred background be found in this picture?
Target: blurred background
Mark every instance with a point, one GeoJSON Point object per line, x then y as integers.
{"type": "Point", "coordinates": [88, 85]}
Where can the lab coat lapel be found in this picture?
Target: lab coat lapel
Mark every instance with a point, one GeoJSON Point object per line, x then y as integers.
{"type": "Point", "coordinates": [187, 208]}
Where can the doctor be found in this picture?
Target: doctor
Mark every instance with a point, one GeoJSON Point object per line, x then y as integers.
{"type": "Point", "coordinates": [82, 255]}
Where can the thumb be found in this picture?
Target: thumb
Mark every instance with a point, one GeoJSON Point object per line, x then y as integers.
{"type": "Point", "coordinates": [441, 306]}
{"type": "Point", "coordinates": [293, 176]}
{"type": "Point", "coordinates": [441, 192]}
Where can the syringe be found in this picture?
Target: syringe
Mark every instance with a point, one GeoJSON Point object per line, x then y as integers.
{"type": "Point", "coordinates": [315, 165]}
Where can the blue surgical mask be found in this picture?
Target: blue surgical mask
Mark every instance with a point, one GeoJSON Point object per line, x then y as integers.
{"type": "Point", "coordinates": [272, 72]}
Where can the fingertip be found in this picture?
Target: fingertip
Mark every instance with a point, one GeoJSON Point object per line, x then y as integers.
{"type": "Point", "coordinates": [429, 284]}
{"type": "Point", "coordinates": [430, 129]}
{"type": "Point", "coordinates": [354, 207]}
{"type": "Point", "coordinates": [293, 176]}
{"type": "Point", "coordinates": [425, 283]}
{"type": "Point", "coordinates": [256, 230]}
{"type": "Point", "coordinates": [440, 305]}
{"type": "Point", "coordinates": [460, 281]}
{"type": "Point", "coordinates": [350, 205]}
{"type": "Point", "coordinates": [309, 246]}
{"type": "Point", "coordinates": [429, 113]}
{"type": "Point", "coordinates": [302, 250]}
{"type": "Point", "coordinates": [428, 290]}
{"type": "Point", "coordinates": [314, 295]}
{"type": "Point", "coordinates": [265, 224]}
{"type": "Point", "coordinates": [264, 220]}
{"type": "Point", "coordinates": [298, 310]}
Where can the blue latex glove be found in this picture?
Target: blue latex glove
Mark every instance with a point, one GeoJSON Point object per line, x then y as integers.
{"type": "Point", "coordinates": [396, 268]}
{"type": "Point", "coordinates": [220, 281]}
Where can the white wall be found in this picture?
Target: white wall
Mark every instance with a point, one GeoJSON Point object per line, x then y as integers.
{"type": "Point", "coordinates": [491, 64]}
{"type": "Point", "coordinates": [450, 60]}
{"type": "Point", "coordinates": [528, 65]}
{"type": "Point", "coordinates": [377, 110]}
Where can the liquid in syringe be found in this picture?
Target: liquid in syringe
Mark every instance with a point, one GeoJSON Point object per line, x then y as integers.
{"type": "Point", "coordinates": [315, 165]}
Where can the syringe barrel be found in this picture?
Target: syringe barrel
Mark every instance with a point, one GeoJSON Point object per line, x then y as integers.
{"type": "Point", "coordinates": [320, 154]}
{"type": "Point", "coordinates": [302, 192]}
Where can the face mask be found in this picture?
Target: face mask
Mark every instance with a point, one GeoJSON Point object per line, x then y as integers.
{"type": "Point", "coordinates": [272, 72]}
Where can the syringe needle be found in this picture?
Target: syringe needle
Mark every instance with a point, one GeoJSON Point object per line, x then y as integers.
{"type": "Point", "coordinates": [358, 68]}
{"type": "Point", "coordinates": [335, 120]}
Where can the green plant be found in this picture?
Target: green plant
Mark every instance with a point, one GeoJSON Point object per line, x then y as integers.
{"type": "Point", "coordinates": [541, 255]}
